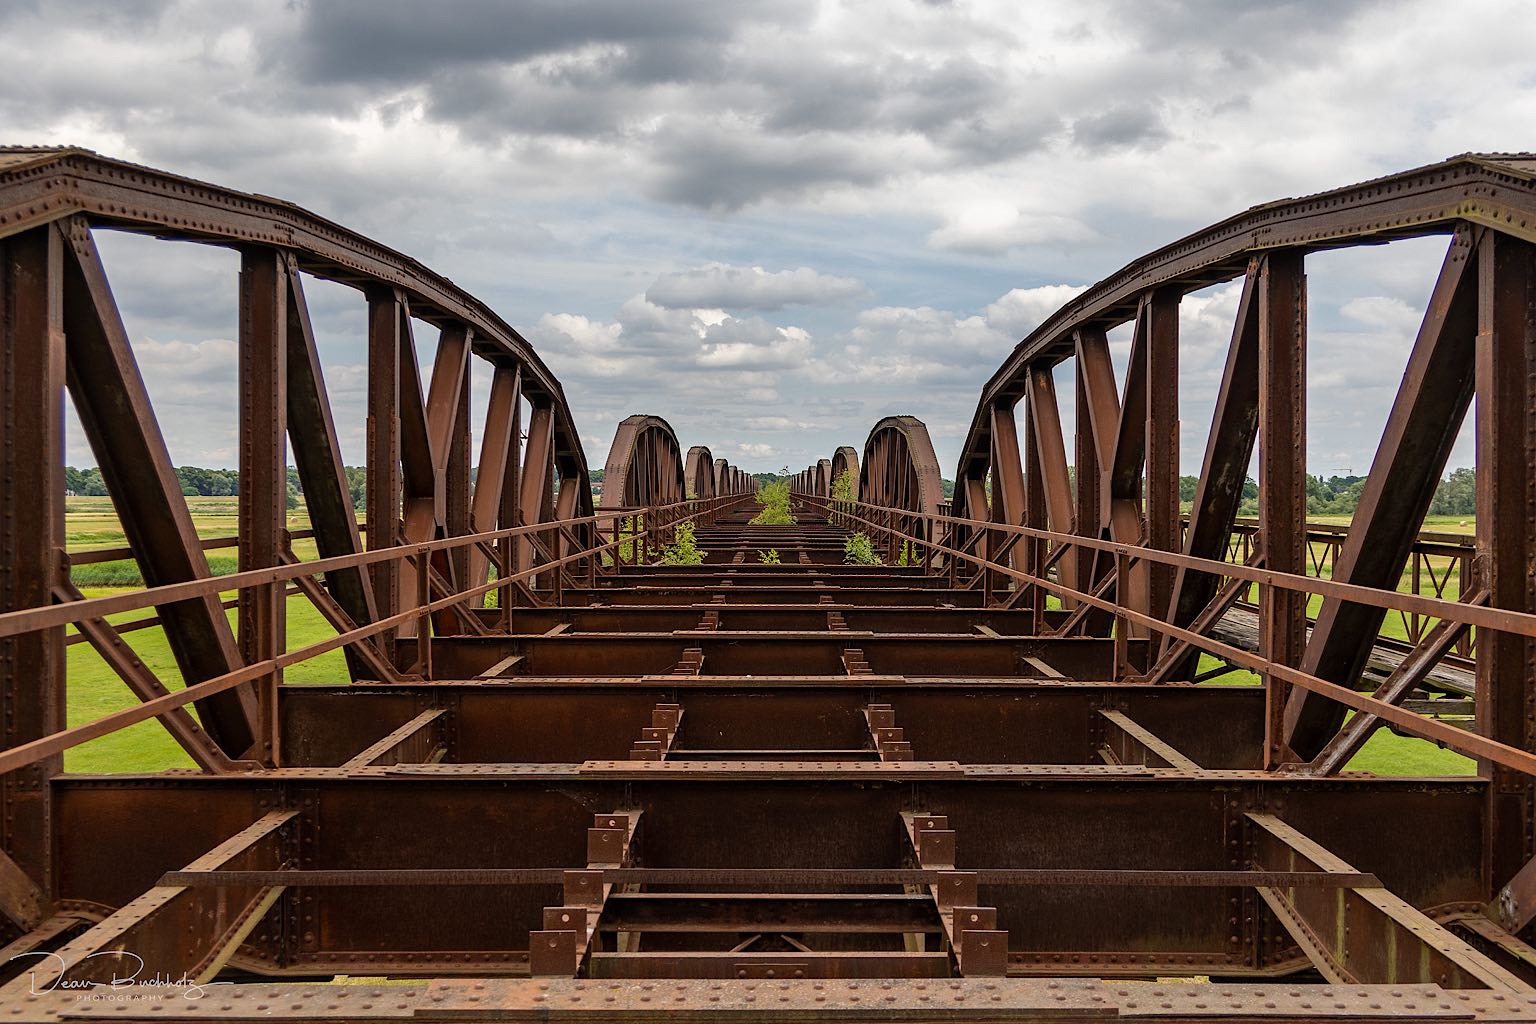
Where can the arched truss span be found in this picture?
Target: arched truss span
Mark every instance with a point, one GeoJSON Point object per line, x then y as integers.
{"type": "Point", "coordinates": [814, 480]}
{"type": "Point", "coordinates": [846, 460]}
{"type": "Point", "coordinates": [730, 480]}
{"type": "Point", "coordinates": [645, 465]}
{"type": "Point", "coordinates": [900, 469]}
{"type": "Point", "coordinates": [1124, 480]}
{"type": "Point", "coordinates": [54, 203]}
{"type": "Point", "coordinates": [699, 472]}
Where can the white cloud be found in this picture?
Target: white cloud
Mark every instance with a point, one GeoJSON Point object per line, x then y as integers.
{"type": "Point", "coordinates": [993, 229]}
{"type": "Point", "coordinates": [754, 345]}
{"type": "Point", "coordinates": [1023, 309]}
{"type": "Point", "coordinates": [1383, 312]}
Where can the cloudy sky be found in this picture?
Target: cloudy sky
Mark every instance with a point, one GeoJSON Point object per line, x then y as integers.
{"type": "Point", "coordinates": [772, 221]}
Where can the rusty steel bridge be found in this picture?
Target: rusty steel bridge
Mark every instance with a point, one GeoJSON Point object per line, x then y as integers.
{"type": "Point", "coordinates": [986, 779]}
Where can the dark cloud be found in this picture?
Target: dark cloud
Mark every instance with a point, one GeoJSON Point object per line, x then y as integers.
{"type": "Point", "coordinates": [722, 170]}
{"type": "Point", "coordinates": [1267, 30]}
{"type": "Point", "coordinates": [1124, 127]}
{"type": "Point", "coordinates": [115, 14]}
{"type": "Point", "coordinates": [402, 41]}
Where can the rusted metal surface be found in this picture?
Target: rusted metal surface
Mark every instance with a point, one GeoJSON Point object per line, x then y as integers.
{"type": "Point", "coordinates": [559, 780]}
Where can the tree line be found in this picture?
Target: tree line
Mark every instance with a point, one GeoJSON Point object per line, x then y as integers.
{"type": "Point", "coordinates": [1326, 496]}
{"type": "Point", "coordinates": [1456, 495]}
{"type": "Point", "coordinates": [212, 483]}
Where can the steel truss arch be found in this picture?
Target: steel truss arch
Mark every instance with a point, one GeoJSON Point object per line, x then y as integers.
{"type": "Point", "coordinates": [419, 442]}
{"type": "Point", "coordinates": [846, 460]}
{"type": "Point", "coordinates": [645, 465]}
{"type": "Point", "coordinates": [1121, 479]}
{"type": "Point", "coordinates": [699, 472]}
{"type": "Point", "coordinates": [906, 748]}
{"type": "Point", "coordinates": [900, 469]}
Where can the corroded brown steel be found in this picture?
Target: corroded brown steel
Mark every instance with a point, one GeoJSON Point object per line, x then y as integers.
{"type": "Point", "coordinates": [900, 469]}
{"type": "Point", "coordinates": [645, 465]}
{"type": "Point", "coordinates": [846, 461]}
{"type": "Point", "coordinates": [730, 480]}
{"type": "Point", "coordinates": [38, 186]}
{"type": "Point", "coordinates": [1506, 478]}
{"type": "Point", "coordinates": [699, 472]}
{"type": "Point", "coordinates": [770, 785]}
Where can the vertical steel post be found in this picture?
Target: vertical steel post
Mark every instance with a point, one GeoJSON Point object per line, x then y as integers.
{"type": "Point", "coordinates": [534, 483]}
{"type": "Point", "coordinates": [1282, 476]}
{"type": "Point", "coordinates": [422, 560]}
{"type": "Point", "coordinates": [1034, 518]}
{"type": "Point", "coordinates": [32, 563]}
{"type": "Point", "coordinates": [385, 310]}
{"type": "Point", "coordinates": [1087, 496]}
{"type": "Point", "coordinates": [263, 502]}
{"type": "Point", "coordinates": [1162, 383]}
{"type": "Point", "coordinates": [1506, 535]}
{"type": "Point", "coordinates": [1050, 454]}
{"type": "Point", "coordinates": [457, 500]}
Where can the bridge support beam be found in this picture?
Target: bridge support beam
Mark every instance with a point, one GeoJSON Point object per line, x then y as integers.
{"type": "Point", "coordinates": [263, 501]}
{"type": "Point", "coordinates": [32, 561]}
{"type": "Point", "coordinates": [1506, 542]}
{"type": "Point", "coordinates": [1282, 379]}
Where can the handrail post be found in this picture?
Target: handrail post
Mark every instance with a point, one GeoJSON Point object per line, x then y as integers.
{"type": "Point", "coordinates": [557, 548]}
{"type": "Point", "coordinates": [423, 560]}
{"type": "Point", "coordinates": [1122, 624]}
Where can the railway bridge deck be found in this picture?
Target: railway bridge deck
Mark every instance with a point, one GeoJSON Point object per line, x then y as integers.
{"type": "Point", "coordinates": [570, 770]}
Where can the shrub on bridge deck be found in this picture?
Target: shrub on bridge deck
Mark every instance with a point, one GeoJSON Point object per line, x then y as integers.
{"type": "Point", "coordinates": [769, 557]}
{"type": "Point", "coordinates": [683, 550]}
{"type": "Point", "coordinates": [774, 497]}
{"type": "Point", "coordinates": [842, 487]}
{"type": "Point", "coordinates": [858, 549]}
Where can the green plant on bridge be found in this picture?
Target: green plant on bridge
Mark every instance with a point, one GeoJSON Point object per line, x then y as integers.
{"type": "Point", "coordinates": [684, 549]}
{"type": "Point", "coordinates": [769, 557]}
{"type": "Point", "coordinates": [774, 497]}
{"type": "Point", "coordinates": [858, 549]}
{"type": "Point", "coordinates": [909, 555]}
{"type": "Point", "coordinates": [842, 487]}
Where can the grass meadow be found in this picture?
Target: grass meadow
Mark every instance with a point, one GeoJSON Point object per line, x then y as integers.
{"type": "Point", "coordinates": [95, 690]}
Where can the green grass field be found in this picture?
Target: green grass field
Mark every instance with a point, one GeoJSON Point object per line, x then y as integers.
{"type": "Point", "coordinates": [94, 690]}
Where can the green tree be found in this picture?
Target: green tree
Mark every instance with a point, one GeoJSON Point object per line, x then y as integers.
{"type": "Point", "coordinates": [1456, 495]}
